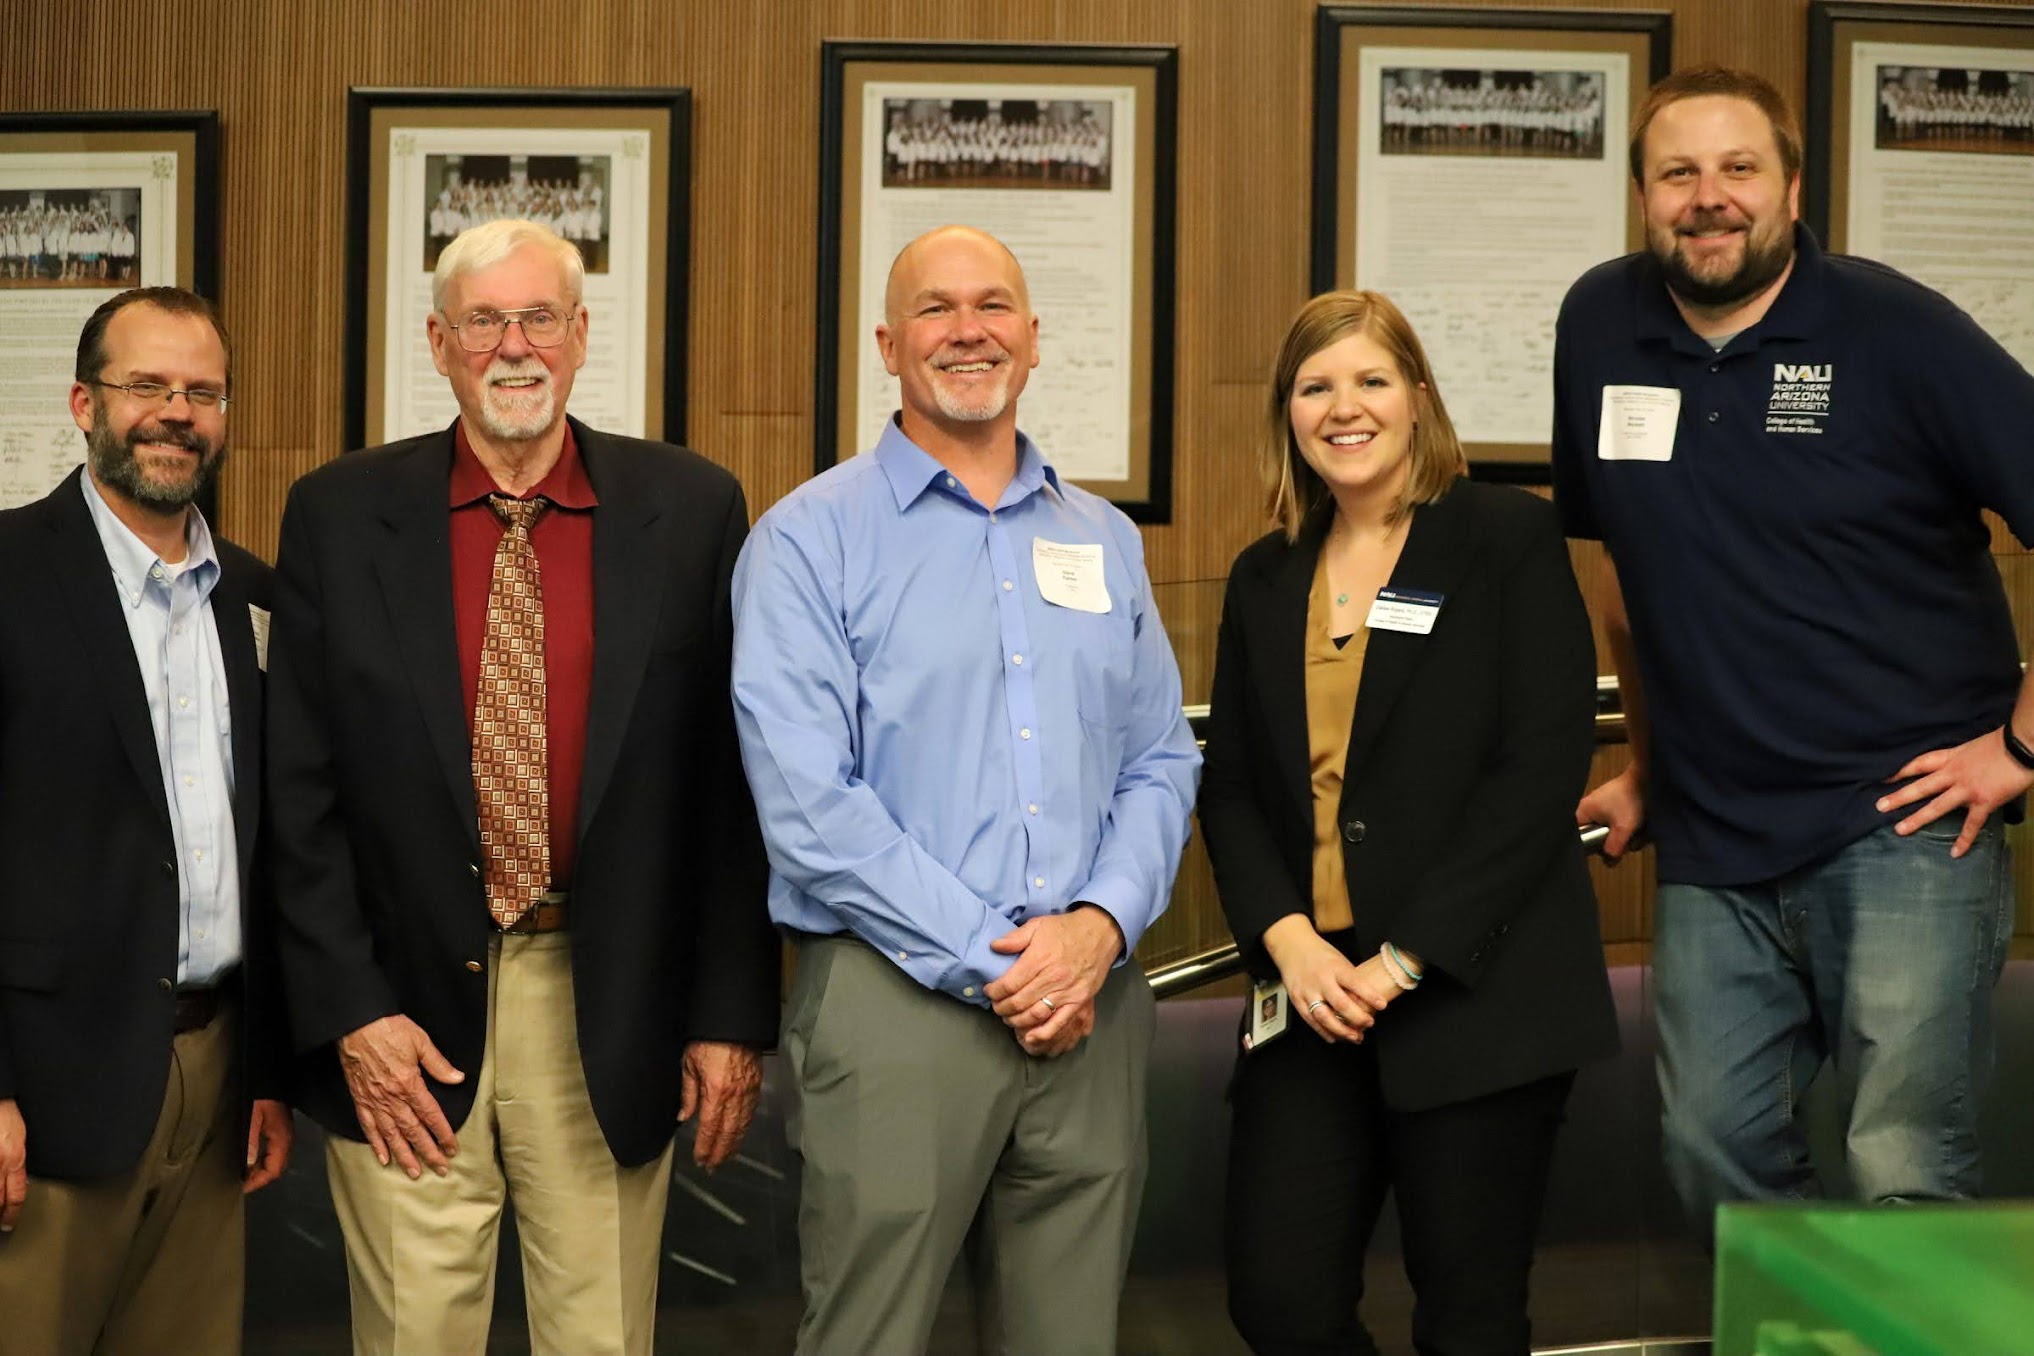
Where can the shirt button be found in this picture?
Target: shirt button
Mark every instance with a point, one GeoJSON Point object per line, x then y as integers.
{"type": "Point", "coordinates": [183, 701]}
{"type": "Point", "coordinates": [1007, 586]}
{"type": "Point", "coordinates": [1017, 659]}
{"type": "Point", "coordinates": [968, 992]}
{"type": "Point", "coordinates": [1032, 808]}
{"type": "Point", "coordinates": [474, 966]}
{"type": "Point", "coordinates": [949, 482]}
{"type": "Point", "coordinates": [199, 854]}
{"type": "Point", "coordinates": [164, 985]}
{"type": "Point", "coordinates": [201, 934]}
{"type": "Point", "coordinates": [992, 515]}
{"type": "Point", "coordinates": [155, 573]}
{"type": "Point", "coordinates": [902, 956]}
{"type": "Point", "coordinates": [1716, 367]}
{"type": "Point", "coordinates": [190, 781]}
{"type": "Point", "coordinates": [1024, 733]}
{"type": "Point", "coordinates": [1038, 882]}
{"type": "Point", "coordinates": [177, 630]}
{"type": "Point", "coordinates": [1714, 416]}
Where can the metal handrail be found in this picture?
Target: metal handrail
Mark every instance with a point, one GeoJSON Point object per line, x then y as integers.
{"type": "Point", "coordinates": [1180, 976]}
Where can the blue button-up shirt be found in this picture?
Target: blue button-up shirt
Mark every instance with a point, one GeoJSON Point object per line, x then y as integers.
{"type": "Point", "coordinates": [168, 609]}
{"type": "Point", "coordinates": [937, 751]}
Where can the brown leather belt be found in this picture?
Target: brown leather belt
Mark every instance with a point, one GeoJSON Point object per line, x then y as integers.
{"type": "Point", "coordinates": [195, 1008]}
{"type": "Point", "coordinates": [546, 915]}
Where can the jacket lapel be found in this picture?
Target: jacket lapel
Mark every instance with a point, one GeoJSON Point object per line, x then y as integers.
{"type": "Point", "coordinates": [1283, 675]}
{"type": "Point", "coordinates": [235, 628]}
{"type": "Point", "coordinates": [415, 568]}
{"type": "Point", "coordinates": [629, 570]}
{"type": "Point", "coordinates": [78, 560]}
{"type": "Point", "coordinates": [1435, 555]}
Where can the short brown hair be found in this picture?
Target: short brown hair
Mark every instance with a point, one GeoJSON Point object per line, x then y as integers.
{"type": "Point", "coordinates": [1728, 82]}
{"type": "Point", "coordinates": [175, 300]}
{"type": "Point", "coordinates": [1436, 456]}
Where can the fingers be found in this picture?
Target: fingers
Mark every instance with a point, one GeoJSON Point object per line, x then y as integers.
{"type": "Point", "coordinates": [13, 1192]}
{"type": "Point", "coordinates": [1041, 1035]}
{"type": "Point", "coordinates": [1014, 941]}
{"type": "Point", "coordinates": [722, 1123]}
{"type": "Point", "coordinates": [1973, 820]}
{"type": "Point", "coordinates": [370, 1128]}
{"type": "Point", "coordinates": [1921, 763]}
{"type": "Point", "coordinates": [1929, 813]}
{"type": "Point", "coordinates": [1022, 971]}
{"type": "Point", "coordinates": [434, 1063]}
{"type": "Point", "coordinates": [444, 1142]}
{"type": "Point", "coordinates": [688, 1092]}
{"type": "Point", "coordinates": [1336, 1018]}
{"type": "Point", "coordinates": [1079, 1025]}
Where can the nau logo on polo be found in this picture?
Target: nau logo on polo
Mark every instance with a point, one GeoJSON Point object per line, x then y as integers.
{"type": "Point", "coordinates": [1799, 402]}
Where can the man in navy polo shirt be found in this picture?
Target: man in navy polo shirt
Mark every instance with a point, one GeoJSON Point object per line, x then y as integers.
{"type": "Point", "coordinates": [1786, 454]}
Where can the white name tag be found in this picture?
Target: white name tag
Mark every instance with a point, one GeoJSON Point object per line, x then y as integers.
{"type": "Point", "coordinates": [1070, 576]}
{"type": "Point", "coordinates": [1638, 423]}
{"type": "Point", "coordinates": [1407, 610]}
{"type": "Point", "coordinates": [1269, 1010]}
{"type": "Point", "coordinates": [258, 616]}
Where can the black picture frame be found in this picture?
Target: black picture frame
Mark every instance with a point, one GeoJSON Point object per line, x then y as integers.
{"type": "Point", "coordinates": [192, 134]}
{"type": "Point", "coordinates": [1645, 36]}
{"type": "Point", "coordinates": [666, 117]}
{"type": "Point", "coordinates": [1146, 495]}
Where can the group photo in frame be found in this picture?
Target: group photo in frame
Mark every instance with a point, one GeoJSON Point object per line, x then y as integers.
{"type": "Point", "coordinates": [1920, 128]}
{"type": "Point", "coordinates": [607, 169]}
{"type": "Point", "coordinates": [90, 204]}
{"type": "Point", "coordinates": [1064, 153]}
{"type": "Point", "coordinates": [1471, 164]}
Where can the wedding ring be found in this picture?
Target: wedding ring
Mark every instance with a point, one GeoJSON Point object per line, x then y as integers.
{"type": "Point", "coordinates": [1317, 1003]}
{"type": "Point", "coordinates": [1047, 1002]}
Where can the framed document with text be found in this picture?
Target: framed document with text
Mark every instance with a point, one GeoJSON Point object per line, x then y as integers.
{"type": "Point", "coordinates": [1921, 150]}
{"type": "Point", "coordinates": [608, 169]}
{"type": "Point", "coordinates": [1066, 155]}
{"type": "Point", "coordinates": [1471, 164]}
{"type": "Point", "coordinates": [90, 204]}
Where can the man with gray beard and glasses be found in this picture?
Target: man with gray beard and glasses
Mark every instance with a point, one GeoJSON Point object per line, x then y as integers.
{"type": "Point", "coordinates": [142, 1050]}
{"type": "Point", "coordinates": [962, 722]}
{"type": "Point", "coordinates": [521, 887]}
{"type": "Point", "coordinates": [1788, 454]}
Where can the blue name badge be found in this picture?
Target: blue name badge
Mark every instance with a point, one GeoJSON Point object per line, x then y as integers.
{"type": "Point", "coordinates": [1407, 610]}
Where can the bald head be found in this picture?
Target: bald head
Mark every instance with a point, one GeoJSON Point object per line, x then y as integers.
{"type": "Point", "coordinates": [923, 264]}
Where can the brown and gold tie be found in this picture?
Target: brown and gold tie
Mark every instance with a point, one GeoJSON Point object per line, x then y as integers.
{"type": "Point", "coordinates": [511, 766]}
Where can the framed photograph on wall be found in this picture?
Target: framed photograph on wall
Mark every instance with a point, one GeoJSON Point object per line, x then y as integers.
{"type": "Point", "coordinates": [1921, 150]}
{"type": "Point", "coordinates": [608, 169]}
{"type": "Point", "coordinates": [90, 204]}
{"type": "Point", "coordinates": [1066, 154]}
{"type": "Point", "coordinates": [1471, 164]}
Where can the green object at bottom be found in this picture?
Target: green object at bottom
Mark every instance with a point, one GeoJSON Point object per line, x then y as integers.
{"type": "Point", "coordinates": [1836, 1280]}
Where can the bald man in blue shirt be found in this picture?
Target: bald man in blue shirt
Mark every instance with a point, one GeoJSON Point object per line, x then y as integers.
{"type": "Point", "coordinates": [961, 720]}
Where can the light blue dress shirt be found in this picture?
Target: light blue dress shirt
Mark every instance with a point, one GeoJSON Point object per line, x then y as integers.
{"type": "Point", "coordinates": [937, 751]}
{"type": "Point", "coordinates": [169, 618]}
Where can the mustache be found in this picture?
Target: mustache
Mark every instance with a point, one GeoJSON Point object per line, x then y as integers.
{"type": "Point", "coordinates": [502, 369]}
{"type": "Point", "coordinates": [986, 352]}
{"type": "Point", "coordinates": [163, 435]}
{"type": "Point", "coordinates": [1709, 219]}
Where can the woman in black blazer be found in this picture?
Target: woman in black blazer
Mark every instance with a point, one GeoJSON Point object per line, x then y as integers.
{"type": "Point", "coordinates": [1401, 726]}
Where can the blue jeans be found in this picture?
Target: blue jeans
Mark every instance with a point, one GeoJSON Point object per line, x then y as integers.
{"type": "Point", "coordinates": [1879, 959]}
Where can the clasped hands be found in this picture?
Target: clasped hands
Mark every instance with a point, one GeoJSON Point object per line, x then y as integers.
{"type": "Point", "coordinates": [1047, 996]}
{"type": "Point", "coordinates": [385, 1062]}
{"type": "Point", "coordinates": [1340, 999]}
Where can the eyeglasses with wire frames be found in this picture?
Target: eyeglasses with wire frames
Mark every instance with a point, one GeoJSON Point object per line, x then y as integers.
{"type": "Point", "coordinates": [543, 327]}
{"type": "Point", "coordinates": [162, 397]}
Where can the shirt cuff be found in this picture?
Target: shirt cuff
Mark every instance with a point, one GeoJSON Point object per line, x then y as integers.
{"type": "Point", "coordinates": [1123, 901]}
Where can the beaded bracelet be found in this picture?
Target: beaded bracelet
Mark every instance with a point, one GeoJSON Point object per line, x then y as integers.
{"type": "Point", "coordinates": [1395, 966]}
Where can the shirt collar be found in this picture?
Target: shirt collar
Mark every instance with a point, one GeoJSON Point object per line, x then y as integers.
{"type": "Point", "coordinates": [912, 470]}
{"type": "Point", "coordinates": [1796, 313]}
{"type": "Point", "coordinates": [134, 564]}
{"type": "Point", "coordinates": [566, 485]}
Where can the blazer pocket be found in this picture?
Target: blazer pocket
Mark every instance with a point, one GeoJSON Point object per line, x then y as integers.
{"type": "Point", "coordinates": [31, 965]}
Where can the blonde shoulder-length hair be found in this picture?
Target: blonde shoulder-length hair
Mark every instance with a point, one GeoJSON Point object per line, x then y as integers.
{"type": "Point", "coordinates": [1436, 456]}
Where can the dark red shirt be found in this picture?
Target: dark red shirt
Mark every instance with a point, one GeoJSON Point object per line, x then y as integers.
{"type": "Point", "coordinates": [563, 541]}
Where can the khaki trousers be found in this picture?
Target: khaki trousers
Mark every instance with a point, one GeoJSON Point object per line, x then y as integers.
{"type": "Point", "coordinates": [420, 1256]}
{"type": "Point", "coordinates": [923, 1124]}
{"type": "Point", "coordinates": [154, 1259]}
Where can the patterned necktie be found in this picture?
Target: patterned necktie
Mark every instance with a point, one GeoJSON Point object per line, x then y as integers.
{"type": "Point", "coordinates": [511, 766]}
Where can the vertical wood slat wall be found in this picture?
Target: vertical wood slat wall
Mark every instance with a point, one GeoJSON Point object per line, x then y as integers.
{"type": "Point", "coordinates": [278, 71]}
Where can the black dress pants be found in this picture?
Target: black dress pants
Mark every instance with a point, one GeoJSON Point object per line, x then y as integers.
{"type": "Point", "coordinates": [1313, 1151]}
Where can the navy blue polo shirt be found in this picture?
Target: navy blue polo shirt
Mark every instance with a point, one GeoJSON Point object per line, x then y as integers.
{"type": "Point", "coordinates": [1811, 589]}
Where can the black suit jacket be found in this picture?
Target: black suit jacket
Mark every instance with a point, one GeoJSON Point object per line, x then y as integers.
{"type": "Point", "coordinates": [88, 928]}
{"type": "Point", "coordinates": [1469, 749]}
{"type": "Point", "coordinates": [371, 791]}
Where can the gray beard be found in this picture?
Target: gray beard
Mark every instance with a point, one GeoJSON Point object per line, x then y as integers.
{"type": "Point", "coordinates": [116, 467]}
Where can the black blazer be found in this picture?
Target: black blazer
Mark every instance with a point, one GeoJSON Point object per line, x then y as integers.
{"type": "Point", "coordinates": [371, 791]}
{"type": "Point", "coordinates": [88, 926]}
{"type": "Point", "coordinates": [1469, 749]}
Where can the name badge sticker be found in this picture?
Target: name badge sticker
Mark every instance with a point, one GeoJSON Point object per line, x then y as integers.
{"type": "Point", "coordinates": [1070, 576]}
{"type": "Point", "coordinates": [1638, 423]}
{"type": "Point", "coordinates": [1409, 610]}
{"type": "Point", "coordinates": [257, 618]}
